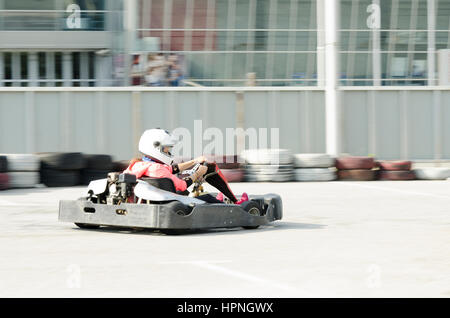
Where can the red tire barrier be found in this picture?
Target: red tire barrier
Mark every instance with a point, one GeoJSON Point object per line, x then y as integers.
{"type": "Point", "coordinates": [357, 175]}
{"type": "Point", "coordinates": [233, 175]}
{"type": "Point", "coordinates": [396, 175]}
{"type": "Point", "coordinates": [355, 163]}
{"type": "Point", "coordinates": [225, 162]}
{"type": "Point", "coordinates": [395, 165]}
{"type": "Point", "coordinates": [4, 181]}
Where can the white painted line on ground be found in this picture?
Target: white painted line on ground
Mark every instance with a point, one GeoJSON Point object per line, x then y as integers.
{"type": "Point", "coordinates": [212, 266]}
{"type": "Point", "coordinates": [352, 183]}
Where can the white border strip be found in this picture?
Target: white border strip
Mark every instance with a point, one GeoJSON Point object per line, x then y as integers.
{"type": "Point", "coordinates": [220, 89]}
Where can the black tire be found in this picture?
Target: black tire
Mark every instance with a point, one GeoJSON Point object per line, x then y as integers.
{"type": "Point", "coordinates": [120, 166]}
{"type": "Point", "coordinates": [87, 226]}
{"type": "Point", "coordinates": [98, 162]}
{"type": "Point", "coordinates": [88, 175]}
{"type": "Point", "coordinates": [252, 208]}
{"type": "Point", "coordinates": [60, 178]}
{"type": "Point", "coordinates": [3, 164]}
{"type": "Point", "coordinates": [62, 160]}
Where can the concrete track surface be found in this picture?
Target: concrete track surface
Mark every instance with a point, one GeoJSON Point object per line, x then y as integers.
{"type": "Point", "coordinates": [336, 239]}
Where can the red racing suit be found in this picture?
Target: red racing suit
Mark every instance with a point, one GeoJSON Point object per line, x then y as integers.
{"type": "Point", "coordinates": [156, 170]}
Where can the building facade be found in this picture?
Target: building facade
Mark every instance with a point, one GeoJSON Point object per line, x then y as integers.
{"type": "Point", "coordinates": [58, 43]}
{"type": "Point", "coordinates": [221, 42]}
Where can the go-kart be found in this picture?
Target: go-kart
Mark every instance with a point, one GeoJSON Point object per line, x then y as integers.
{"type": "Point", "coordinates": [122, 200]}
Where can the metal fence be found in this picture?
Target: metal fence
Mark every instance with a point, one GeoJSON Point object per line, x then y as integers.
{"type": "Point", "coordinates": [389, 123]}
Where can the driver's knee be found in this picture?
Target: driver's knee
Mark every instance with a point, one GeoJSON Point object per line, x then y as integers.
{"type": "Point", "coordinates": [211, 167]}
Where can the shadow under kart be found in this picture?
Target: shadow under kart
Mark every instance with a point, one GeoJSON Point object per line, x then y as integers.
{"type": "Point", "coordinates": [123, 201]}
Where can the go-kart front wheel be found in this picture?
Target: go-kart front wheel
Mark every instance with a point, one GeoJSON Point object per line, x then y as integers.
{"type": "Point", "coordinates": [179, 209]}
{"type": "Point", "coordinates": [252, 208]}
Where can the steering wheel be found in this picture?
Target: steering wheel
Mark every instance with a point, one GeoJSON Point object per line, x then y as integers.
{"type": "Point", "coordinates": [198, 184]}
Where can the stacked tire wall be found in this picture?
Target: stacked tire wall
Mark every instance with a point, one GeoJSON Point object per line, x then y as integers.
{"type": "Point", "coordinates": [61, 169]}
{"type": "Point", "coordinates": [96, 167]}
{"type": "Point", "coordinates": [19, 171]}
{"type": "Point", "coordinates": [268, 165]}
{"type": "Point", "coordinates": [356, 168]}
{"type": "Point", "coordinates": [4, 178]}
{"type": "Point", "coordinates": [260, 165]}
{"type": "Point", "coordinates": [314, 167]}
{"type": "Point", "coordinates": [230, 167]}
{"type": "Point", "coordinates": [432, 173]}
{"type": "Point", "coordinates": [395, 170]}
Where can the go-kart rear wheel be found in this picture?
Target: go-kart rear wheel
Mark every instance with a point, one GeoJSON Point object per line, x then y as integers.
{"type": "Point", "coordinates": [87, 226]}
{"type": "Point", "coordinates": [252, 208]}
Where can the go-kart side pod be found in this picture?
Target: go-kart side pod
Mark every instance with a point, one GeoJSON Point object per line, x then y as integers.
{"type": "Point", "coordinates": [261, 210]}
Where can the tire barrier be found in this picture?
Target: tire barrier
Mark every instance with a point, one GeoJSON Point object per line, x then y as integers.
{"type": "Point", "coordinates": [267, 156]}
{"type": "Point", "coordinates": [315, 174]}
{"type": "Point", "coordinates": [22, 162]}
{"type": "Point", "coordinates": [266, 173]}
{"type": "Point", "coordinates": [61, 169]}
{"type": "Point", "coordinates": [313, 160]}
{"type": "Point", "coordinates": [3, 164]}
{"type": "Point", "coordinates": [357, 175]}
{"type": "Point", "coordinates": [314, 167]}
{"type": "Point", "coordinates": [23, 179]}
{"type": "Point", "coordinates": [98, 162]}
{"type": "Point", "coordinates": [233, 175]}
{"type": "Point", "coordinates": [353, 168]}
{"type": "Point", "coordinates": [355, 163]}
{"type": "Point", "coordinates": [396, 175]}
{"type": "Point", "coordinates": [225, 161]}
{"type": "Point", "coordinates": [269, 178]}
{"type": "Point", "coordinates": [432, 173]}
{"type": "Point", "coordinates": [62, 160]}
{"type": "Point", "coordinates": [88, 175]}
{"type": "Point", "coordinates": [21, 170]}
{"type": "Point", "coordinates": [119, 166]}
{"type": "Point", "coordinates": [55, 169]}
{"type": "Point", "coordinates": [96, 167]}
{"type": "Point", "coordinates": [60, 178]}
{"type": "Point", "coordinates": [4, 181]}
{"type": "Point", "coordinates": [265, 165]}
{"type": "Point", "coordinates": [394, 165]}
{"type": "Point", "coordinates": [395, 170]}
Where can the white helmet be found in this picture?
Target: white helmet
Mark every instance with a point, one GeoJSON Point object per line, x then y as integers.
{"type": "Point", "coordinates": [152, 143]}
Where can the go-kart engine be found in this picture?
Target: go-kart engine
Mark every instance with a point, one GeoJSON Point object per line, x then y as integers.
{"type": "Point", "coordinates": [120, 187]}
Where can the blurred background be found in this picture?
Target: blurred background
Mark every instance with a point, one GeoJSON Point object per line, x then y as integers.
{"type": "Point", "coordinates": [217, 42]}
{"type": "Point", "coordinates": [360, 77]}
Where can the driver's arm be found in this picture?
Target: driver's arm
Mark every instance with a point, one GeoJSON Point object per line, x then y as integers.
{"type": "Point", "coordinates": [189, 164]}
{"type": "Point", "coordinates": [186, 165]}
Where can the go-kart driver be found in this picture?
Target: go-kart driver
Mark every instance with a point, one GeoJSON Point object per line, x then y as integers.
{"type": "Point", "coordinates": [157, 162]}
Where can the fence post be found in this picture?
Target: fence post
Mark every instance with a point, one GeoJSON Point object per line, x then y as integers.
{"type": "Point", "coordinates": [332, 98]}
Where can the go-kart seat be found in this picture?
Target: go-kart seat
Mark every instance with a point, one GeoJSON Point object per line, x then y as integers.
{"type": "Point", "coordinates": [161, 183]}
